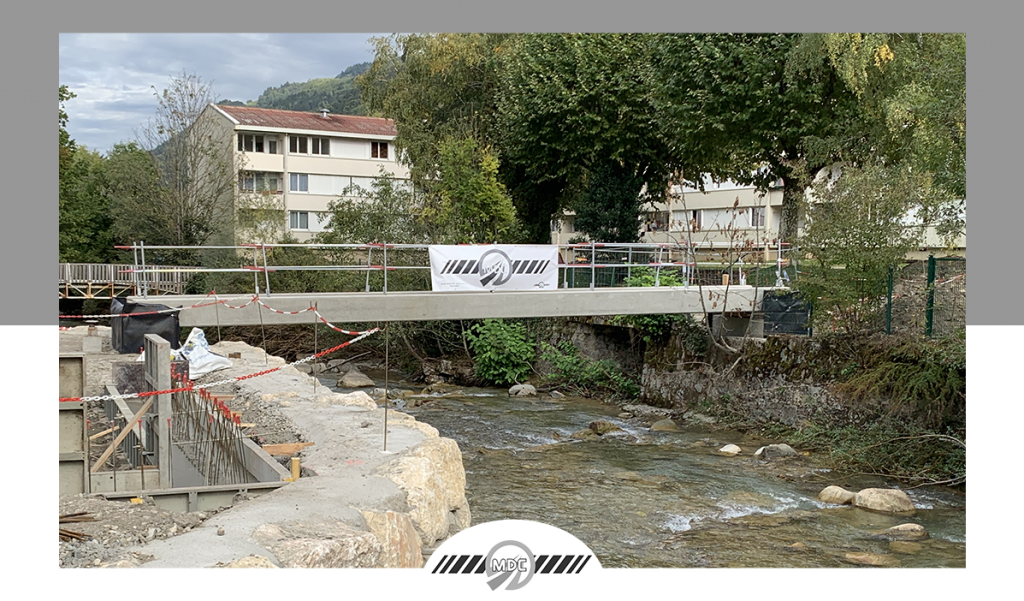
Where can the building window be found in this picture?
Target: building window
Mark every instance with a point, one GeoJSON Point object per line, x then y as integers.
{"type": "Point", "coordinates": [379, 150]}
{"type": "Point", "coordinates": [757, 217]}
{"type": "Point", "coordinates": [256, 143]}
{"type": "Point", "coordinates": [252, 181]}
{"type": "Point", "coordinates": [322, 146]}
{"type": "Point", "coordinates": [681, 220]}
{"type": "Point", "coordinates": [299, 182]}
{"type": "Point", "coordinates": [657, 221]}
{"type": "Point", "coordinates": [298, 220]}
{"type": "Point", "coordinates": [298, 145]}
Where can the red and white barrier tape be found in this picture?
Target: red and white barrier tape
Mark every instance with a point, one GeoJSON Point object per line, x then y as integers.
{"type": "Point", "coordinates": [204, 387]}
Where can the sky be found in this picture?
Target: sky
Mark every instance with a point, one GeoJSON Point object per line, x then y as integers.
{"type": "Point", "coordinates": [113, 75]}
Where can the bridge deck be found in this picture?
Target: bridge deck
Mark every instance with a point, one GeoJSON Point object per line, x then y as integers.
{"type": "Point", "coordinates": [359, 307]}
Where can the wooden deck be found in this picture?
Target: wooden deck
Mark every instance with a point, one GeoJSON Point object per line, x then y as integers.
{"type": "Point", "coordinates": [100, 280]}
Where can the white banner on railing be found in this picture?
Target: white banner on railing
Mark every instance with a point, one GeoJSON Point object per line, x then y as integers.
{"type": "Point", "coordinates": [494, 267]}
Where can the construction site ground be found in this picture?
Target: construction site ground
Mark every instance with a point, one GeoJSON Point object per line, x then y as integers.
{"type": "Point", "coordinates": [347, 457]}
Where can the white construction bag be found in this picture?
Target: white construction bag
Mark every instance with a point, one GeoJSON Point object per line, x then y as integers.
{"type": "Point", "coordinates": [201, 360]}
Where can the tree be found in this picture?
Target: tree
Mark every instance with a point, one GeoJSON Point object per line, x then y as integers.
{"type": "Point", "coordinates": [610, 207]}
{"type": "Point", "coordinates": [84, 235]}
{"type": "Point", "coordinates": [729, 101]}
{"type": "Point", "coordinates": [197, 175]}
{"type": "Point", "coordinates": [913, 95]}
{"type": "Point", "coordinates": [468, 201]}
{"type": "Point", "coordinates": [574, 109]}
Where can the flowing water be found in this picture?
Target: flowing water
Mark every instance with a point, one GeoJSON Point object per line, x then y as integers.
{"type": "Point", "coordinates": [668, 499]}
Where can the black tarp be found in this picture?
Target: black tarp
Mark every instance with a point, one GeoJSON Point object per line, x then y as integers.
{"type": "Point", "coordinates": [785, 314]}
{"type": "Point", "coordinates": [127, 334]}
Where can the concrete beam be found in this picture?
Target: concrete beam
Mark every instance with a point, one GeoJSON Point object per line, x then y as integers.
{"type": "Point", "coordinates": [361, 307]}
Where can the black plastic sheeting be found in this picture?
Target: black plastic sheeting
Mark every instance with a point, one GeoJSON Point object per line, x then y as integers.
{"type": "Point", "coordinates": [127, 334]}
{"type": "Point", "coordinates": [786, 314]}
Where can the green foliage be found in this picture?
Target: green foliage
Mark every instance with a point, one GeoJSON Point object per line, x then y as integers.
{"type": "Point", "coordinates": [856, 233]}
{"type": "Point", "coordinates": [925, 379]}
{"type": "Point", "coordinates": [338, 94]}
{"type": "Point", "coordinates": [654, 327]}
{"type": "Point", "coordinates": [887, 447]}
{"type": "Point", "coordinates": [468, 201]}
{"type": "Point", "coordinates": [501, 350]}
{"type": "Point", "coordinates": [586, 376]}
{"type": "Point", "coordinates": [609, 209]}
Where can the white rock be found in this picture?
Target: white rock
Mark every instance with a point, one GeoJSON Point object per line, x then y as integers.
{"type": "Point", "coordinates": [522, 390]}
{"type": "Point", "coordinates": [837, 495]}
{"type": "Point", "coordinates": [730, 449]}
{"type": "Point", "coordinates": [355, 379]}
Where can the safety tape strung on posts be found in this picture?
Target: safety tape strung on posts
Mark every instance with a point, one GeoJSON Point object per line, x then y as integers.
{"type": "Point", "coordinates": [204, 388]}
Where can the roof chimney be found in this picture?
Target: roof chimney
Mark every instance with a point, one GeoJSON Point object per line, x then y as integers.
{"type": "Point", "coordinates": [324, 111]}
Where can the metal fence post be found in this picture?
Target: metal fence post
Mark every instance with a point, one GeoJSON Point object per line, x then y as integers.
{"type": "Point", "coordinates": [929, 312]}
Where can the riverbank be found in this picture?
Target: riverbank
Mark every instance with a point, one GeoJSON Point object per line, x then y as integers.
{"type": "Point", "coordinates": [366, 506]}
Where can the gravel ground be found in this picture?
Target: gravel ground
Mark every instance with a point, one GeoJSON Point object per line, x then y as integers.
{"type": "Point", "coordinates": [119, 525]}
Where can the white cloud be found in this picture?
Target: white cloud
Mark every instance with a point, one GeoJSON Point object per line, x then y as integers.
{"type": "Point", "coordinates": [113, 75]}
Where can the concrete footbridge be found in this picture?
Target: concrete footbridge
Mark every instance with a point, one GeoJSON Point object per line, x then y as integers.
{"type": "Point", "coordinates": [476, 282]}
{"type": "Point", "coordinates": [360, 307]}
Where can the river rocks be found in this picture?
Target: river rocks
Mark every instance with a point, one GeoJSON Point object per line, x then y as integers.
{"type": "Point", "coordinates": [775, 451]}
{"type": "Point", "coordinates": [730, 449]}
{"type": "Point", "coordinates": [798, 547]}
{"type": "Point", "coordinates": [401, 542]}
{"type": "Point", "coordinates": [646, 411]}
{"type": "Point", "coordinates": [522, 390]}
{"type": "Point", "coordinates": [355, 379]}
{"type": "Point", "coordinates": [905, 547]}
{"type": "Point", "coordinates": [434, 480]}
{"type": "Point", "coordinates": [903, 532]}
{"type": "Point", "coordinates": [887, 500]}
{"type": "Point", "coordinates": [664, 425]}
{"type": "Point", "coordinates": [252, 561]}
{"type": "Point", "coordinates": [319, 544]}
{"type": "Point", "coordinates": [872, 559]}
{"type": "Point", "coordinates": [556, 395]}
{"type": "Point", "coordinates": [602, 427]}
{"type": "Point", "coordinates": [587, 434]}
{"type": "Point", "coordinates": [305, 368]}
{"type": "Point", "coordinates": [836, 495]}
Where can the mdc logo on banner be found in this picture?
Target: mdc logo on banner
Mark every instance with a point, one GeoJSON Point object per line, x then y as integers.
{"type": "Point", "coordinates": [510, 555]}
{"type": "Point", "coordinates": [497, 267]}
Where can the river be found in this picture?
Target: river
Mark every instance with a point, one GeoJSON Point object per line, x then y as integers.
{"type": "Point", "coordinates": [648, 499]}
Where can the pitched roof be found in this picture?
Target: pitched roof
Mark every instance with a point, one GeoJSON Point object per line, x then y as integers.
{"type": "Point", "coordinates": [350, 124]}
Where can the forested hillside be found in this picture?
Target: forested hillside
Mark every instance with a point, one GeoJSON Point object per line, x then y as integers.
{"type": "Point", "coordinates": [339, 94]}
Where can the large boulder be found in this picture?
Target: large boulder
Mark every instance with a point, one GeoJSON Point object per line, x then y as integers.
{"type": "Point", "coordinates": [837, 495]}
{"type": "Point", "coordinates": [331, 544]}
{"type": "Point", "coordinates": [775, 451]}
{"type": "Point", "coordinates": [522, 390]}
{"type": "Point", "coordinates": [355, 379]}
{"type": "Point", "coordinates": [602, 427]}
{"type": "Point", "coordinates": [664, 425]}
{"type": "Point", "coordinates": [886, 500]}
{"type": "Point", "coordinates": [401, 542]}
{"type": "Point", "coordinates": [432, 476]}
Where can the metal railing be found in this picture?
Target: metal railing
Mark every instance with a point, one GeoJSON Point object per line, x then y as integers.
{"type": "Point", "coordinates": [590, 265]}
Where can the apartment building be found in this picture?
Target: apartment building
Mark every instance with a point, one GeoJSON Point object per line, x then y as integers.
{"type": "Point", "coordinates": [725, 214]}
{"type": "Point", "coordinates": [299, 162]}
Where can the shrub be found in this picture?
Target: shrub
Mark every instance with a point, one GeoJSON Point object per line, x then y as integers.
{"type": "Point", "coordinates": [501, 351]}
{"type": "Point", "coordinates": [587, 376]}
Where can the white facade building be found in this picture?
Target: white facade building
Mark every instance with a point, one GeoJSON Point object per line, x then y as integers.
{"type": "Point", "coordinates": [302, 161]}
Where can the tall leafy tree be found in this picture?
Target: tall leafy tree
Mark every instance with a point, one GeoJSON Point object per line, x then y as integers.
{"type": "Point", "coordinates": [197, 172]}
{"type": "Point", "coordinates": [84, 234]}
{"type": "Point", "coordinates": [573, 105]}
{"type": "Point", "coordinates": [467, 199]}
{"type": "Point", "coordinates": [610, 207]}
